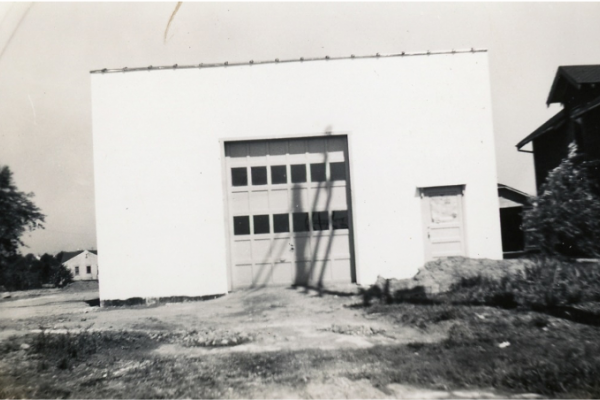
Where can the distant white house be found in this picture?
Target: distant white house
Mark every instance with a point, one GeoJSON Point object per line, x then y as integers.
{"type": "Point", "coordinates": [291, 172]}
{"type": "Point", "coordinates": [83, 264]}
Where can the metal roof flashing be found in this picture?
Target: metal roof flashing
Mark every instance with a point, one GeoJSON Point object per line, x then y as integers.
{"type": "Point", "coordinates": [278, 61]}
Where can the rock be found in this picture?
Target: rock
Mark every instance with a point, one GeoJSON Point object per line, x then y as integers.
{"type": "Point", "coordinates": [25, 346]}
{"type": "Point", "coordinates": [5, 295]}
{"type": "Point", "coordinates": [224, 342]}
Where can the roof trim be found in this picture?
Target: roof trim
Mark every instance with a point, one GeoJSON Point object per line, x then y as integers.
{"type": "Point", "coordinates": [512, 189]}
{"type": "Point", "coordinates": [590, 105]}
{"type": "Point", "coordinates": [278, 61]}
{"type": "Point", "coordinates": [557, 120]}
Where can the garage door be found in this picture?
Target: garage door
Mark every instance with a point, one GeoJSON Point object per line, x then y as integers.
{"type": "Point", "coordinates": [289, 212]}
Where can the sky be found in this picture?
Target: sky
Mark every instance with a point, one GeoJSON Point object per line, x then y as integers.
{"type": "Point", "coordinates": [48, 49]}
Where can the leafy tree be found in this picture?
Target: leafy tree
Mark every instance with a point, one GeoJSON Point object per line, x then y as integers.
{"type": "Point", "coordinates": [18, 214]}
{"type": "Point", "coordinates": [565, 217]}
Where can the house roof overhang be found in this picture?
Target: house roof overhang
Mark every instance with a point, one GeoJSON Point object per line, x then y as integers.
{"type": "Point", "coordinates": [553, 123]}
{"type": "Point", "coordinates": [572, 76]}
{"type": "Point", "coordinates": [511, 197]}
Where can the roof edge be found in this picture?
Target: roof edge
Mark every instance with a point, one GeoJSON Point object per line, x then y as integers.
{"type": "Point", "coordinates": [542, 129]}
{"type": "Point", "coordinates": [278, 61]}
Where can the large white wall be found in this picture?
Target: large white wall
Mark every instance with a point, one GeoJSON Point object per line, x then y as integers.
{"type": "Point", "coordinates": [411, 121]}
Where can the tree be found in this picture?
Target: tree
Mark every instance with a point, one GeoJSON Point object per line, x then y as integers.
{"type": "Point", "coordinates": [18, 214]}
{"type": "Point", "coordinates": [565, 217]}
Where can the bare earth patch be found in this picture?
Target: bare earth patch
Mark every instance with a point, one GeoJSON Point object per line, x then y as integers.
{"type": "Point", "coordinates": [267, 343]}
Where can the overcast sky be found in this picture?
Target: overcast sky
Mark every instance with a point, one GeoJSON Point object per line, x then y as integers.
{"type": "Point", "coordinates": [45, 110]}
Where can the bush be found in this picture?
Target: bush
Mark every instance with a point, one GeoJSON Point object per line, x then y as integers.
{"type": "Point", "coordinates": [545, 282]}
{"type": "Point", "coordinates": [565, 217]}
{"type": "Point", "coordinates": [62, 276]}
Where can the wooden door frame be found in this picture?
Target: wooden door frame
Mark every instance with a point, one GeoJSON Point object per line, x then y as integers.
{"type": "Point", "coordinates": [227, 211]}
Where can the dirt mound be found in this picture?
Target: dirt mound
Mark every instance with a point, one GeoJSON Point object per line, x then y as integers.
{"type": "Point", "coordinates": [440, 275]}
{"type": "Point", "coordinates": [81, 286]}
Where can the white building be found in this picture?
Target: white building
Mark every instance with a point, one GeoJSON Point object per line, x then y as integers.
{"type": "Point", "coordinates": [83, 264]}
{"type": "Point", "coordinates": [211, 178]}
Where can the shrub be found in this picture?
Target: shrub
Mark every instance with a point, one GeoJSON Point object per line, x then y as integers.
{"type": "Point", "coordinates": [62, 276]}
{"type": "Point", "coordinates": [565, 217]}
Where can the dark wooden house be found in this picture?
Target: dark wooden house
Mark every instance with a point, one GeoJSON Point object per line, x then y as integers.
{"type": "Point", "coordinates": [577, 88]}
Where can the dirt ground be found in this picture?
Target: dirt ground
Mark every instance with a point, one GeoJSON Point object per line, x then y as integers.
{"type": "Point", "coordinates": [253, 324]}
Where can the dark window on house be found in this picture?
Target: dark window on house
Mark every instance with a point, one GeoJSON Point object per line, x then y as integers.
{"type": "Point", "coordinates": [241, 225]}
{"type": "Point", "coordinates": [278, 174]}
{"type": "Point", "coordinates": [239, 176]}
{"type": "Point", "coordinates": [300, 221]}
{"type": "Point", "coordinates": [281, 223]}
{"type": "Point", "coordinates": [338, 171]}
{"type": "Point", "coordinates": [317, 172]}
{"type": "Point", "coordinates": [259, 175]}
{"type": "Point", "coordinates": [76, 270]}
{"type": "Point", "coordinates": [261, 224]}
{"type": "Point", "coordinates": [339, 219]}
{"type": "Point", "coordinates": [298, 173]}
{"type": "Point", "coordinates": [320, 221]}
{"type": "Point", "coordinates": [88, 269]}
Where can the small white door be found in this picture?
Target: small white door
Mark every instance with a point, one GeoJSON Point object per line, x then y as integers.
{"type": "Point", "coordinates": [289, 211]}
{"type": "Point", "coordinates": [443, 222]}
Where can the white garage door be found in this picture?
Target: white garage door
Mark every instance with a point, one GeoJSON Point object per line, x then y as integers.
{"type": "Point", "coordinates": [289, 211]}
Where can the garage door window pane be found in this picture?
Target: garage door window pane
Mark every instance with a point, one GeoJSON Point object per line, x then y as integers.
{"type": "Point", "coordinates": [317, 172]}
{"type": "Point", "coordinates": [339, 219]}
{"type": "Point", "coordinates": [338, 171]}
{"type": "Point", "coordinates": [259, 175]}
{"type": "Point", "coordinates": [320, 221]}
{"type": "Point", "coordinates": [239, 176]}
{"type": "Point", "coordinates": [278, 174]}
{"type": "Point", "coordinates": [281, 223]}
{"type": "Point", "coordinates": [261, 224]}
{"type": "Point", "coordinates": [298, 173]}
{"type": "Point", "coordinates": [241, 225]}
{"type": "Point", "coordinates": [300, 222]}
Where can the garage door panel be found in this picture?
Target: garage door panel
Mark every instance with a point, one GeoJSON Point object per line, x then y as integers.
{"type": "Point", "coordinates": [282, 273]}
{"type": "Point", "coordinates": [242, 252]}
{"type": "Point", "coordinates": [302, 272]}
{"type": "Point", "coordinates": [259, 201]}
{"type": "Point", "coordinates": [239, 203]}
{"type": "Point", "coordinates": [236, 150]}
{"type": "Point", "coordinates": [338, 198]}
{"type": "Point", "coordinates": [242, 275]}
{"type": "Point", "coordinates": [336, 145]}
{"type": "Point", "coordinates": [282, 251]}
{"type": "Point", "coordinates": [321, 271]}
{"type": "Point", "coordinates": [297, 146]}
{"type": "Point", "coordinates": [341, 244]}
{"type": "Point", "coordinates": [279, 200]}
{"type": "Point", "coordinates": [261, 274]}
{"type": "Point", "coordinates": [341, 270]}
{"type": "Point", "coordinates": [320, 197]}
{"type": "Point", "coordinates": [317, 146]}
{"type": "Point", "coordinates": [288, 207]}
{"type": "Point", "coordinates": [299, 199]}
{"type": "Point", "coordinates": [302, 248]}
{"type": "Point", "coordinates": [257, 149]}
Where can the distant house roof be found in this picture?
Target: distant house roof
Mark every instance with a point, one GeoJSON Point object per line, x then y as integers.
{"type": "Point", "coordinates": [511, 197]}
{"type": "Point", "coordinates": [67, 255]}
{"type": "Point", "coordinates": [574, 75]}
{"type": "Point", "coordinates": [555, 122]}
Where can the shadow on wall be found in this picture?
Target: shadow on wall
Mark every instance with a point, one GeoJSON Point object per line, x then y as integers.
{"type": "Point", "coordinates": [302, 234]}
